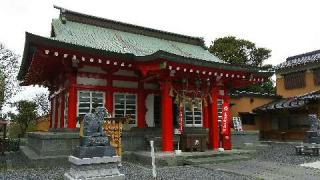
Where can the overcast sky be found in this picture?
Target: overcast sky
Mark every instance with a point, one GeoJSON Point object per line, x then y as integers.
{"type": "Point", "coordinates": [287, 27]}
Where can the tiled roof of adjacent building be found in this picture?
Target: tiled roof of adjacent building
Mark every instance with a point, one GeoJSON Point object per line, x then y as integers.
{"type": "Point", "coordinates": [238, 93]}
{"type": "Point", "coordinates": [300, 60]}
{"type": "Point", "coordinates": [290, 103]}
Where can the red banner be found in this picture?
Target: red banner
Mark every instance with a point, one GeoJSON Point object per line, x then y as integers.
{"type": "Point", "coordinates": [225, 129]}
{"type": "Point", "coordinates": [180, 119]}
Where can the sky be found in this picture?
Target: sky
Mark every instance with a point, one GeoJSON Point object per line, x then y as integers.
{"type": "Point", "coordinates": [287, 27]}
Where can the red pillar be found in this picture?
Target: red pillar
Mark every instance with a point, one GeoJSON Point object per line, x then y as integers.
{"type": "Point", "coordinates": [72, 102]}
{"type": "Point", "coordinates": [166, 117]}
{"type": "Point", "coordinates": [213, 128]}
{"type": "Point", "coordinates": [226, 137]}
{"type": "Point", "coordinates": [141, 107]}
{"type": "Point", "coordinates": [56, 109]}
{"type": "Point", "coordinates": [109, 97]}
{"type": "Point", "coordinates": [205, 115]}
{"type": "Point", "coordinates": [62, 110]}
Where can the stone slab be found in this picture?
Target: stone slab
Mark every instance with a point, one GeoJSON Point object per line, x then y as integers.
{"type": "Point", "coordinates": [94, 160]}
{"type": "Point", "coordinates": [95, 170]}
{"type": "Point", "coordinates": [93, 151]}
{"type": "Point", "coordinates": [54, 135]}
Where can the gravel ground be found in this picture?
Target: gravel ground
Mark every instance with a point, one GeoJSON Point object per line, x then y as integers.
{"type": "Point", "coordinates": [269, 160]}
{"type": "Point", "coordinates": [284, 153]}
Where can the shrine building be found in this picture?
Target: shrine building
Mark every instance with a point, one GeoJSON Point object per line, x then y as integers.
{"type": "Point", "coordinates": [162, 80]}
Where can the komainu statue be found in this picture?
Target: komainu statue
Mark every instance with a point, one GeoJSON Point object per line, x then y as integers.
{"type": "Point", "coordinates": [93, 140]}
{"type": "Point", "coordinates": [93, 133]}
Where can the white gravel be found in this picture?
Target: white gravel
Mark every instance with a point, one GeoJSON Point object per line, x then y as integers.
{"type": "Point", "coordinates": [13, 166]}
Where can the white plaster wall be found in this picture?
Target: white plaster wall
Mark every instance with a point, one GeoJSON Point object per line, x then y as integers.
{"type": "Point", "coordinates": [124, 84]}
{"type": "Point", "coordinates": [92, 69]}
{"type": "Point", "coordinates": [154, 86]}
{"type": "Point", "coordinates": [150, 109]}
{"type": "Point", "coordinates": [91, 81]}
{"type": "Point", "coordinates": [125, 73]}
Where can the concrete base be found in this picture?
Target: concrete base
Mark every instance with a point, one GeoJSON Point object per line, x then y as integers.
{"type": "Point", "coordinates": [188, 158]}
{"type": "Point", "coordinates": [42, 161]}
{"type": "Point", "coordinates": [93, 151]}
{"type": "Point", "coordinates": [240, 139]}
{"type": "Point", "coordinates": [53, 143]}
{"type": "Point", "coordinates": [97, 168]}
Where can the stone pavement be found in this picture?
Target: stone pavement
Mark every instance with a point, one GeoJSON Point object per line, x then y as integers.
{"type": "Point", "coordinates": [312, 165]}
{"type": "Point", "coordinates": [265, 170]}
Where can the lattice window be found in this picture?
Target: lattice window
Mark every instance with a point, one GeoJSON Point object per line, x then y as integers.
{"type": "Point", "coordinates": [220, 102]}
{"type": "Point", "coordinates": [89, 100]}
{"type": "Point", "coordinates": [294, 80]}
{"type": "Point", "coordinates": [316, 76]}
{"type": "Point", "coordinates": [125, 105]}
{"type": "Point", "coordinates": [193, 115]}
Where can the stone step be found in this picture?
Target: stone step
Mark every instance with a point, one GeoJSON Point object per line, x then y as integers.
{"type": "Point", "coordinates": [215, 160]}
{"type": "Point", "coordinates": [158, 142]}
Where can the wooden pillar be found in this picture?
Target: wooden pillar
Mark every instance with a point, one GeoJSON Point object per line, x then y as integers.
{"type": "Point", "coordinates": [226, 137]}
{"type": "Point", "coordinates": [51, 112]}
{"type": "Point", "coordinates": [205, 115]}
{"type": "Point", "coordinates": [166, 117]}
{"type": "Point", "coordinates": [214, 127]}
{"type": "Point", "coordinates": [56, 109]}
{"type": "Point", "coordinates": [72, 102]}
{"type": "Point", "coordinates": [109, 96]}
{"type": "Point", "coordinates": [62, 101]}
{"type": "Point", "coordinates": [141, 106]}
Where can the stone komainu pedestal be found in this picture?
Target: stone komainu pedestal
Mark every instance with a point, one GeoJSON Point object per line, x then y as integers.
{"type": "Point", "coordinates": [96, 168]}
{"type": "Point", "coordinates": [94, 159]}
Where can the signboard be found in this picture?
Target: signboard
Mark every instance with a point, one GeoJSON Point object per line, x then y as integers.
{"type": "Point", "coordinates": [225, 119]}
{"type": "Point", "coordinates": [237, 125]}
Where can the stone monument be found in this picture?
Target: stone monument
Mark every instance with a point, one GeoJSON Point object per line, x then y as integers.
{"type": "Point", "coordinates": [94, 158]}
{"type": "Point", "coordinates": [313, 135]}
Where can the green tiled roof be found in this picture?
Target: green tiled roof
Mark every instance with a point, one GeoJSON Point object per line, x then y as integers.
{"type": "Point", "coordinates": [112, 40]}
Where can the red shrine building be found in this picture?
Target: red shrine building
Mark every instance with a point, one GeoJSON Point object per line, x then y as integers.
{"type": "Point", "coordinates": [160, 79]}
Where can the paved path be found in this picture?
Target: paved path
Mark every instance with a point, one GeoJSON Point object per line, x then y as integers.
{"type": "Point", "coordinates": [312, 165]}
{"type": "Point", "coordinates": [266, 170]}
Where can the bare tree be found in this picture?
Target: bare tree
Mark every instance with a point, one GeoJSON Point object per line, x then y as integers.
{"type": "Point", "coordinates": [43, 104]}
{"type": "Point", "coordinates": [8, 72]}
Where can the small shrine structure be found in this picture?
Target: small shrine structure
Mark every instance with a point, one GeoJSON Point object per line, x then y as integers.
{"type": "Point", "coordinates": [160, 79]}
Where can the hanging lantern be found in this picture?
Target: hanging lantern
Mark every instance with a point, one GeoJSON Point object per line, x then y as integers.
{"type": "Point", "coordinates": [208, 82]}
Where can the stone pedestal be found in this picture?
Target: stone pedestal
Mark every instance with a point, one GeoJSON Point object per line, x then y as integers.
{"type": "Point", "coordinates": [96, 168]}
{"type": "Point", "coordinates": [312, 137]}
{"type": "Point", "coordinates": [93, 151]}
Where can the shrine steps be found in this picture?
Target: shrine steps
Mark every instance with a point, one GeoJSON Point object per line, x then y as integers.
{"type": "Point", "coordinates": [188, 158]}
{"type": "Point", "coordinates": [215, 160]}
{"type": "Point", "coordinates": [34, 160]}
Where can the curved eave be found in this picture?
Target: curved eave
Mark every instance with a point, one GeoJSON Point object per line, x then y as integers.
{"type": "Point", "coordinates": [33, 40]}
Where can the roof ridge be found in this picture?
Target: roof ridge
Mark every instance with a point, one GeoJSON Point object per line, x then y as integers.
{"type": "Point", "coordinates": [303, 54]}
{"type": "Point", "coordinates": [66, 14]}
